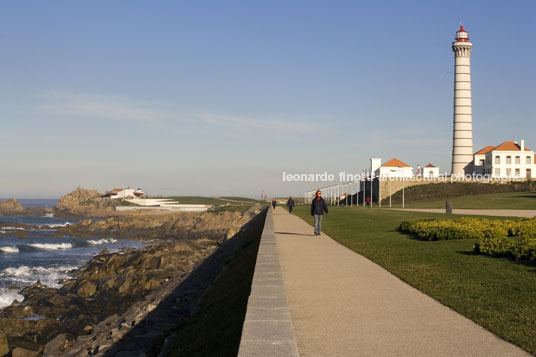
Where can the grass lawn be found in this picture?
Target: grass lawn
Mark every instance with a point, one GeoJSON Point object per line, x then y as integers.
{"type": "Point", "coordinates": [510, 200]}
{"type": "Point", "coordinates": [498, 294]}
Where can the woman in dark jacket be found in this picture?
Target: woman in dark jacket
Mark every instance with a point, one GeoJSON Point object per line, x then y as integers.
{"type": "Point", "coordinates": [274, 203]}
{"type": "Point", "coordinates": [318, 207]}
{"type": "Point", "coordinates": [290, 205]}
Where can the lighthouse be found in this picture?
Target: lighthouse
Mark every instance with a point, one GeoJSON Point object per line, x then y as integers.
{"type": "Point", "coordinates": [462, 143]}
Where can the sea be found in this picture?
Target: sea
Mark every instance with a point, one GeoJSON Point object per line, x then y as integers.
{"type": "Point", "coordinates": [23, 261]}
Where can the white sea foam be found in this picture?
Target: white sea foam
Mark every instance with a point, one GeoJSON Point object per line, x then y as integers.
{"type": "Point", "coordinates": [49, 215]}
{"type": "Point", "coordinates": [102, 241]}
{"type": "Point", "coordinates": [7, 296]}
{"type": "Point", "coordinates": [9, 249]}
{"type": "Point", "coordinates": [12, 229]}
{"type": "Point", "coordinates": [55, 225]}
{"type": "Point", "coordinates": [26, 275]}
{"type": "Point", "coordinates": [51, 246]}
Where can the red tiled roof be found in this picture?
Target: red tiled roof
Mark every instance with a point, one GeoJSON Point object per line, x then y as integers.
{"type": "Point", "coordinates": [509, 146]}
{"type": "Point", "coordinates": [429, 165]}
{"type": "Point", "coordinates": [484, 150]}
{"type": "Point", "coordinates": [394, 162]}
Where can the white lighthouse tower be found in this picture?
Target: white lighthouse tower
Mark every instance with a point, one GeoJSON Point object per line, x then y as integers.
{"type": "Point", "coordinates": [462, 144]}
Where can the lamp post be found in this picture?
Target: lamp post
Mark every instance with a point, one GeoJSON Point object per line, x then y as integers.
{"type": "Point", "coordinates": [371, 188]}
{"type": "Point", "coordinates": [403, 198]}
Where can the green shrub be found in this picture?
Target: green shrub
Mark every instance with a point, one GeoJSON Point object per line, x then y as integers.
{"type": "Point", "coordinates": [446, 190]}
{"type": "Point", "coordinates": [515, 239]}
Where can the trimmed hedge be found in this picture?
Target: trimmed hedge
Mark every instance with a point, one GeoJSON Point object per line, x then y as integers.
{"type": "Point", "coordinates": [444, 190]}
{"type": "Point", "coordinates": [501, 238]}
{"type": "Point", "coordinates": [463, 228]}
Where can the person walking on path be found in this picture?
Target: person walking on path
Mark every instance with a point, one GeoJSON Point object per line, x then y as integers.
{"type": "Point", "coordinates": [290, 205]}
{"type": "Point", "coordinates": [274, 203]}
{"type": "Point", "coordinates": [318, 207]}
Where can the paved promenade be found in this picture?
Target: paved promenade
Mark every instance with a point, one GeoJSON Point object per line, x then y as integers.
{"type": "Point", "coordinates": [526, 213]}
{"type": "Point", "coordinates": [342, 304]}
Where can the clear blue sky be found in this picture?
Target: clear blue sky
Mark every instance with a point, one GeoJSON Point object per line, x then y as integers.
{"type": "Point", "coordinates": [221, 97]}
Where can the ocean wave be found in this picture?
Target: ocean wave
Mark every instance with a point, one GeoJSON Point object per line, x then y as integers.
{"type": "Point", "coordinates": [26, 275]}
{"type": "Point", "coordinates": [55, 225]}
{"type": "Point", "coordinates": [48, 215]}
{"type": "Point", "coordinates": [49, 246]}
{"type": "Point", "coordinates": [102, 241]}
{"type": "Point", "coordinates": [7, 296]}
{"type": "Point", "coordinates": [9, 249]}
{"type": "Point", "coordinates": [12, 229]}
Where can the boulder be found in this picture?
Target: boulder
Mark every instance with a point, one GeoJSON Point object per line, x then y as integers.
{"type": "Point", "coordinates": [56, 346]}
{"type": "Point", "coordinates": [86, 289]}
{"type": "Point", "coordinates": [77, 198]}
{"type": "Point", "coordinates": [4, 348]}
{"type": "Point", "coordinates": [11, 207]}
{"type": "Point", "coordinates": [23, 352]}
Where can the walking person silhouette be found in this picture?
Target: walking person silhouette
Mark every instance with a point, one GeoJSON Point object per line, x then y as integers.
{"type": "Point", "coordinates": [290, 205]}
{"type": "Point", "coordinates": [318, 207]}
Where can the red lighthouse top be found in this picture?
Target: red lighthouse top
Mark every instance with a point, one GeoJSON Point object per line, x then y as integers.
{"type": "Point", "coordinates": [462, 35]}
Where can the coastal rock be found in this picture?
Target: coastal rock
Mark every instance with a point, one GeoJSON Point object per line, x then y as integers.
{"type": "Point", "coordinates": [87, 289]}
{"type": "Point", "coordinates": [11, 207]}
{"type": "Point", "coordinates": [84, 203]}
{"type": "Point", "coordinates": [77, 198]}
{"type": "Point", "coordinates": [57, 345]}
{"type": "Point", "coordinates": [173, 226]}
{"type": "Point", "coordinates": [111, 283]}
{"type": "Point", "coordinates": [23, 352]}
{"type": "Point", "coordinates": [4, 348]}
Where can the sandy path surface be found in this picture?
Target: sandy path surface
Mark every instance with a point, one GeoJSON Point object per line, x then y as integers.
{"type": "Point", "coordinates": [342, 304]}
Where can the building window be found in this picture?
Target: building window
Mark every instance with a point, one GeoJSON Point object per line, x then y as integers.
{"type": "Point", "coordinates": [518, 160]}
{"type": "Point", "coordinates": [498, 172]}
{"type": "Point", "coordinates": [518, 173]}
{"type": "Point", "coordinates": [529, 173]}
{"type": "Point", "coordinates": [508, 172]}
{"type": "Point", "coordinates": [481, 162]}
{"type": "Point", "coordinates": [508, 160]}
{"type": "Point", "coordinates": [497, 159]}
{"type": "Point", "coordinates": [529, 161]}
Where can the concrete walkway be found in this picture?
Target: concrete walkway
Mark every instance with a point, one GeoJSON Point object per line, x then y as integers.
{"type": "Point", "coordinates": [527, 213]}
{"type": "Point", "coordinates": [342, 304]}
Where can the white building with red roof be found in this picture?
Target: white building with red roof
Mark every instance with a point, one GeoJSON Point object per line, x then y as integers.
{"type": "Point", "coordinates": [430, 171]}
{"type": "Point", "coordinates": [507, 160]}
{"type": "Point", "coordinates": [391, 169]}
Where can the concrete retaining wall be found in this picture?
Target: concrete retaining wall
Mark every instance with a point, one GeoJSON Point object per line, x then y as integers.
{"type": "Point", "coordinates": [268, 327]}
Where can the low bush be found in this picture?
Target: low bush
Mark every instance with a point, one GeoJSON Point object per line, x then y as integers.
{"type": "Point", "coordinates": [500, 238]}
{"type": "Point", "coordinates": [520, 248]}
{"type": "Point", "coordinates": [463, 228]}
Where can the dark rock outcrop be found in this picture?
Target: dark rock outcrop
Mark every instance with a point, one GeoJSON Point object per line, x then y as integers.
{"type": "Point", "coordinates": [111, 283]}
{"type": "Point", "coordinates": [84, 203]}
{"type": "Point", "coordinates": [108, 284]}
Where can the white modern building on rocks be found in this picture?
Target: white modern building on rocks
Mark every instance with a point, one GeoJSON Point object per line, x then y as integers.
{"type": "Point", "coordinates": [507, 160]}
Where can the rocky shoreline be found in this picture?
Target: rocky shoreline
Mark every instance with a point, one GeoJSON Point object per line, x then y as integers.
{"type": "Point", "coordinates": [121, 287]}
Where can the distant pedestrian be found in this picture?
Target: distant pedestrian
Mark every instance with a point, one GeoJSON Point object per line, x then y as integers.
{"type": "Point", "coordinates": [367, 200]}
{"type": "Point", "coordinates": [318, 207]}
{"type": "Point", "coordinates": [274, 203]}
{"type": "Point", "coordinates": [290, 205]}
